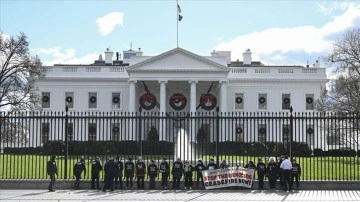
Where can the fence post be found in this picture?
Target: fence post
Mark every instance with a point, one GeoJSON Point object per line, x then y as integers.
{"type": "Point", "coordinates": [291, 131]}
{"type": "Point", "coordinates": [217, 135]}
{"type": "Point", "coordinates": [66, 140]}
{"type": "Point", "coordinates": [140, 135]}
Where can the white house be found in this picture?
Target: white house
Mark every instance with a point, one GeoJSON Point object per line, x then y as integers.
{"type": "Point", "coordinates": [180, 81]}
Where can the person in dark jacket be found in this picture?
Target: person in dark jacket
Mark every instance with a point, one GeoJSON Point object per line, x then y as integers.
{"type": "Point", "coordinates": [96, 167]}
{"type": "Point", "coordinates": [140, 173]}
{"type": "Point", "coordinates": [261, 171]}
{"type": "Point", "coordinates": [211, 165]}
{"type": "Point", "coordinates": [118, 176]}
{"type": "Point", "coordinates": [280, 174]}
{"type": "Point", "coordinates": [177, 171]}
{"type": "Point", "coordinates": [295, 173]}
{"type": "Point", "coordinates": [199, 168]}
{"type": "Point", "coordinates": [250, 165]}
{"type": "Point", "coordinates": [272, 172]}
{"type": "Point", "coordinates": [165, 173]}
{"type": "Point", "coordinates": [111, 169]}
{"type": "Point", "coordinates": [223, 165]}
{"type": "Point", "coordinates": [152, 171]}
{"type": "Point", "coordinates": [129, 173]}
{"type": "Point", "coordinates": [188, 174]}
{"type": "Point", "coordinates": [51, 170]}
{"type": "Point", "coordinates": [79, 167]}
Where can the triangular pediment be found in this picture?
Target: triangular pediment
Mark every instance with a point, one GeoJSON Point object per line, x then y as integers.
{"type": "Point", "coordinates": [179, 60]}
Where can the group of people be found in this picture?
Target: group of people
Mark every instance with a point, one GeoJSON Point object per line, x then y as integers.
{"type": "Point", "coordinates": [115, 170]}
{"type": "Point", "coordinates": [285, 170]}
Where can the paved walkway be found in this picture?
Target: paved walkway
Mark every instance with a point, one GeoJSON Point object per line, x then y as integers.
{"type": "Point", "coordinates": [191, 195]}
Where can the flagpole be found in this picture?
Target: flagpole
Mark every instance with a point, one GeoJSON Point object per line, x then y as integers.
{"type": "Point", "coordinates": [177, 24]}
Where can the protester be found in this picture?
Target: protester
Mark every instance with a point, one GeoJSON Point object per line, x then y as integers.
{"type": "Point", "coordinates": [295, 173]}
{"type": "Point", "coordinates": [250, 165]}
{"type": "Point", "coordinates": [140, 173]}
{"type": "Point", "coordinates": [51, 170]}
{"type": "Point", "coordinates": [212, 165]}
{"type": "Point", "coordinates": [129, 173]}
{"type": "Point", "coordinates": [199, 168]}
{"type": "Point", "coordinates": [188, 174]}
{"type": "Point", "coordinates": [177, 171]}
{"type": "Point", "coordinates": [280, 174]}
{"type": "Point", "coordinates": [165, 173]}
{"type": "Point", "coordinates": [96, 167]}
{"type": "Point", "coordinates": [152, 172]}
{"type": "Point", "coordinates": [79, 167]}
{"type": "Point", "coordinates": [272, 172]}
{"type": "Point", "coordinates": [224, 165]}
{"type": "Point", "coordinates": [119, 175]}
{"type": "Point", "coordinates": [261, 171]}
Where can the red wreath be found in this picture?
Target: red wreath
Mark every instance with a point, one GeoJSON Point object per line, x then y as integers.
{"type": "Point", "coordinates": [147, 101]}
{"type": "Point", "coordinates": [178, 101]}
{"type": "Point", "coordinates": [208, 101]}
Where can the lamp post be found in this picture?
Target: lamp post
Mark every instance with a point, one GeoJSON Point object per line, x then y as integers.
{"type": "Point", "coordinates": [217, 135]}
{"type": "Point", "coordinates": [66, 139]}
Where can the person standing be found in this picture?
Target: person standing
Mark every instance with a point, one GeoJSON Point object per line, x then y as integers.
{"type": "Point", "coordinates": [212, 165]}
{"type": "Point", "coordinates": [79, 167]}
{"type": "Point", "coordinates": [177, 171]}
{"type": "Point", "coordinates": [129, 173]}
{"type": "Point", "coordinates": [250, 165]}
{"type": "Point", "coordinates": [295, 173]}
{"type": "Point", "coordinates": [152, 171]}
{"type": "Point", "coordinates": [118, 176]}
{"type": "Point", "coordinates": [199, 168]}
{"type": "Point", "coordinates": [96, 167]}
{"type": "Point", "coordinates": [280, 173]}
{"type": "Point", "coordinates": [165, 173]}
{"type": "Point", "coordinates": [261, 170]}
{"type": "Point", "coordinates": [188, 174]}
{"type": "Point", "coordinates": [51, 170]}
{"type": "Point", "coordinates": [224, 165]}
{"type": "Point", "coordinates": [111, 169]}
{"type": "Point", "coordinates": [140, 173]}
{"type": "Point", "coordinates": [286, 167]}
{"type": "Point", "coordinates": [272, 172]}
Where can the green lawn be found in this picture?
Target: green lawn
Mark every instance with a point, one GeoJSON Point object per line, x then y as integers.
{"type": "Point", "coordinates": [313, 168]}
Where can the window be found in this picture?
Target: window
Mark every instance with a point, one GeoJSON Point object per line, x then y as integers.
{"type": "Point", "coordinates": [69, 99]}
{"type": "Point", "coordinates": [285, 101]}
{"type": "Point", "coordinates": [309, 101]}
{"type": "Point", "coordinates": [262, 133]}
{"type": "Point", "coordinates": [92, 100]}
{"type": "Point", "coordinates": [45, 130]}
{"type": "Point", "coordinates": [262, 101]}
{"type": "Point", "coordinates": [92, 131]}
{"type": "Point", "coordinates": [115, 101]}
{"type": "Point", "coordinates": [115, 131]}
{"type": "Point", "coordinates": [286, 133]}
{"type": "Point", "coordinates": [310, 135]}
{"type": "Point", "coordinates": [239, 101]}
{"type": "Point", "coordinates": [45, 98]}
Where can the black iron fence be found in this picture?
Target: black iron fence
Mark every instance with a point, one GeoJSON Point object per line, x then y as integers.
{"type": "Point", "coordinates": [325, 144]}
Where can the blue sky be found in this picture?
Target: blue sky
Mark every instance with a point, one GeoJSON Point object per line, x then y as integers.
{"type": "Point", "coordinates": [277, 32]}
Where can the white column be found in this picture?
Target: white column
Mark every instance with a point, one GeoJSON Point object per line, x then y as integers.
{"type": "Point", "coordinates": [162, 122]}
{"type": "Point", "coordinates": [194, 128]}
{"type": "Point", "coordinates": [223, 111]}
{"type": "Point", "coordinates": [131, 132]}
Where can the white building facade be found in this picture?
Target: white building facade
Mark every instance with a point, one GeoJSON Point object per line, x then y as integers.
{"type": "Point", "coordinates": [181, 81]}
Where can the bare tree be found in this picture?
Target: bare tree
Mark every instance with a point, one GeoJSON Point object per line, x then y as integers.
{"type": "Point", "coordinates": [18, 72]}
{"type": "Point", "coordinates": [344, 91]}
{"type": "Point", "coordinates": [343, 95]}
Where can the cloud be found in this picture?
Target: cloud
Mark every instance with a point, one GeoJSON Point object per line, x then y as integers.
{"type": "Point", "coordinates": [328, 8]}
{"type": "Point", "coordinates": [293, 45]}
{"type": "Point", "coordinates": [108, 22]}
{"type": "Point", "coordinates": [57, 55]}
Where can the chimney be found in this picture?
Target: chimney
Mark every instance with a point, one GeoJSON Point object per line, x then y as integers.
{"type": "Point", "coordinates": [317, 64]}
{"type": "Point", "coordinates": [108, 56]}
{"type": "Point", "coordinates": [247, 57]}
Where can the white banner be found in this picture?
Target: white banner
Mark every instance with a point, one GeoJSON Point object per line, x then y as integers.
{"type": "Point", "coordinates": [234, 176]}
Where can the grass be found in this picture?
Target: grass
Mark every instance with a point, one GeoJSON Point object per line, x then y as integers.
{"type": "Point", "coordinates": [313, 168]}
